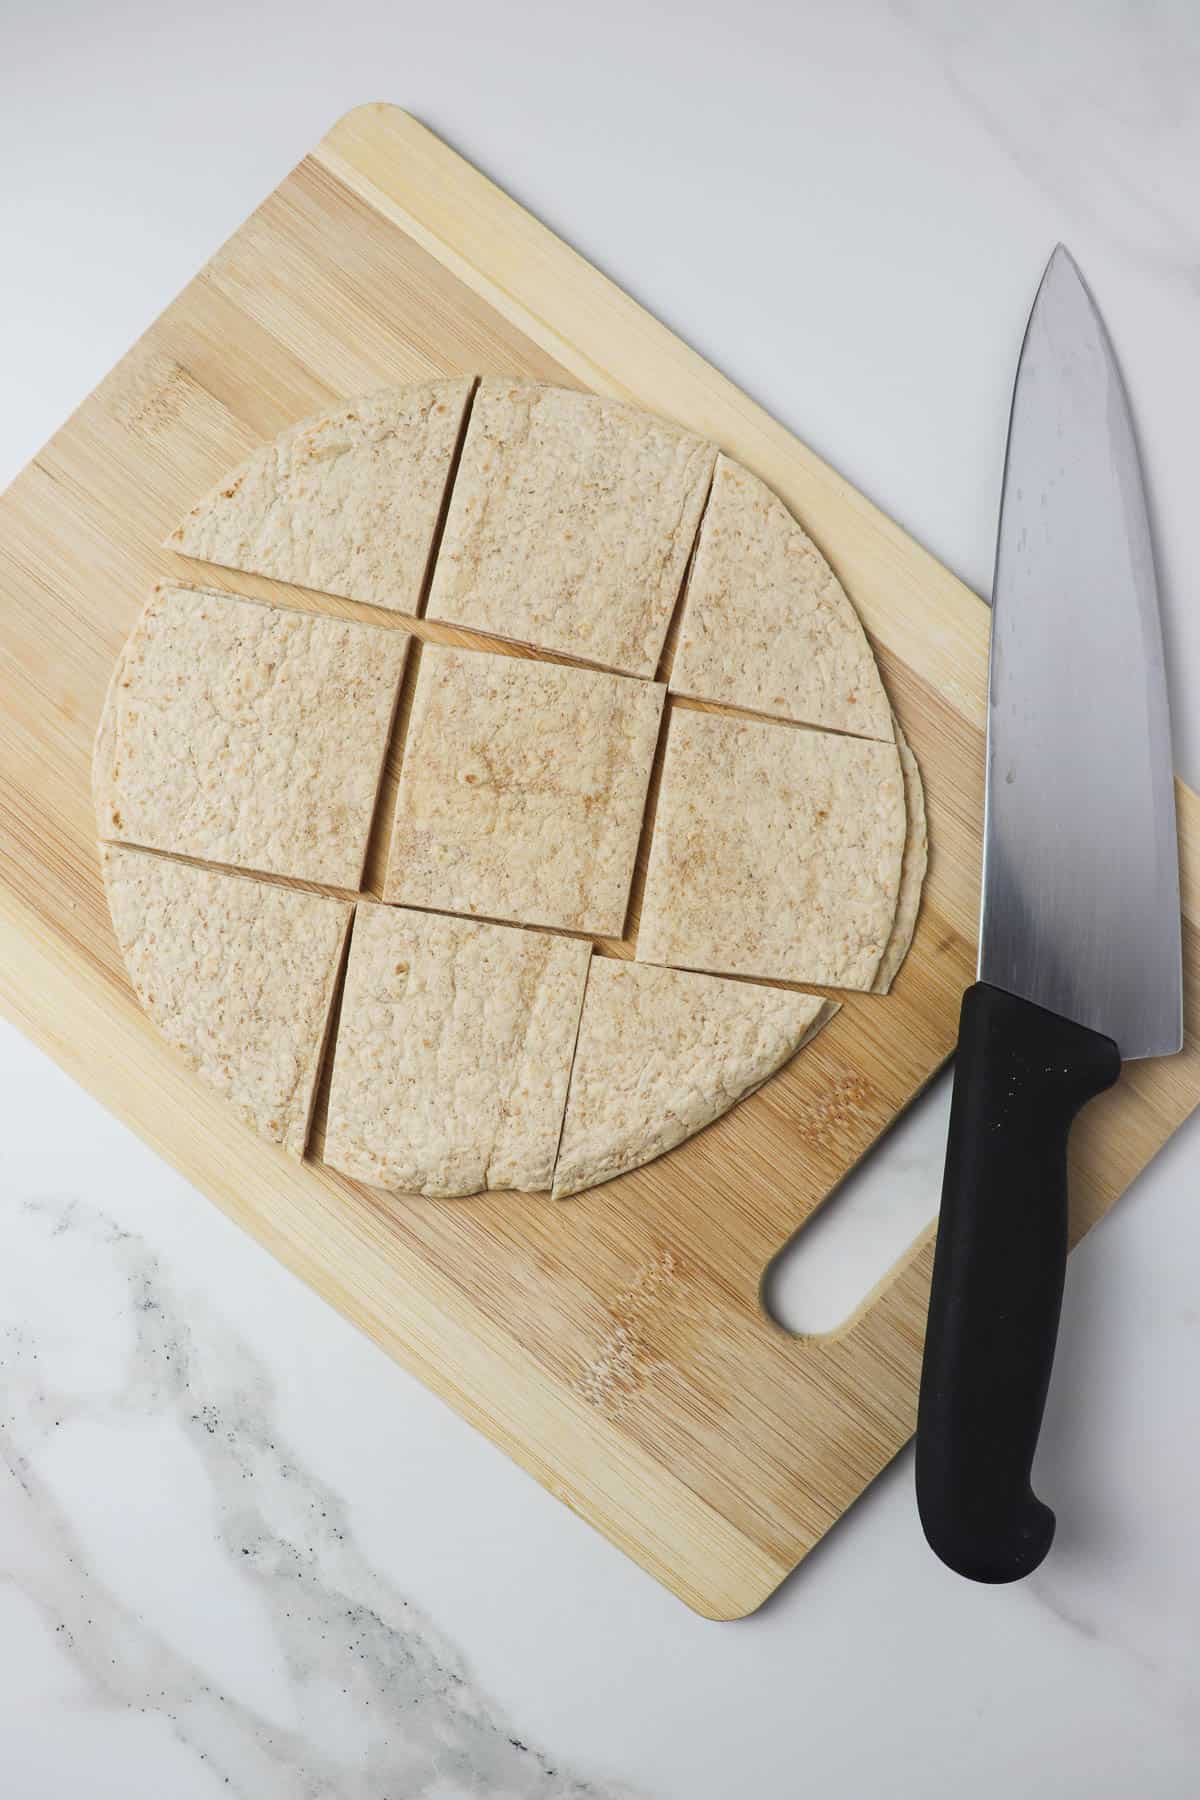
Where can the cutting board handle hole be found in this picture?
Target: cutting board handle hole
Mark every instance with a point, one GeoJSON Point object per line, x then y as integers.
{"type": "Point", "coordinates": [825, 1272]}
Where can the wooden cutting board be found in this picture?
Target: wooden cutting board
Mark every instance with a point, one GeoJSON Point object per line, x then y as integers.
{"type": "Point", "coordinates": [614, 1344]}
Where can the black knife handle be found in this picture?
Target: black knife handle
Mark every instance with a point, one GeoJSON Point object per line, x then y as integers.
{"type": "Point", "coordinates": [1021, 1075]}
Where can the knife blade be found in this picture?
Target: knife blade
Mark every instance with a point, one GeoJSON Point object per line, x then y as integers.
{"type": "Point", "coordinates": [1080, 938]}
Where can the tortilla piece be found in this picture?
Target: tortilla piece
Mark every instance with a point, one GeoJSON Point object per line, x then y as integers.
{"type": "Point", "coordinates": [912, 869]}
{"type": "Point", "coordinates": [238, 975]}
{"type": "Point", "coordinates": [776, 852]}
{"type": "Point", "coordinates": [346, 502]}
{"type": "Point", "coordinates": [453, 1053]}
{"type": "Point", "coordinates": [246, 734]}
{"type": "Point", "coordinates": [767, 625]}
{"type": "Point", "coordinates": [661, 1054]}
{"type": "Point", "coordinates": [571, 523]}
{"type": "Point", "coordinates": [522, 790]}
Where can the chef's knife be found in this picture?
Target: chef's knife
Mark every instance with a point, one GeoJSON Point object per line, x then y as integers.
{"type": "Point", "coordinates": [1079, 944]}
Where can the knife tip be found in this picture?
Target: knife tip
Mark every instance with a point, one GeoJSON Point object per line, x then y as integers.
{"type": "Point", "coordinates": [1061, 262]}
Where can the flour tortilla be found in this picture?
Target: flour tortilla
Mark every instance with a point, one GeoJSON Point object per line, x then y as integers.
{"type": "Point", "coordinates": [246, 734]}
{"type": "Point", "coordinates": [767, 625]}
{"type": "Point", "coordinates": [346, 502]}
{"type": "Point", "coordinates": [453, 1053]}
{"type": "Point", "coordinates": [776, 852]}
{"type": "Point", "coordinates": [661, 1054]}
{"type": "Point", "coordinates": [238, 975]}
{"type": "Point", "coordinates": [571, 524]}
{"type": "Point", "coordinates": [522, 790]}
{"type": "Point", "coordinates": [912, 869]}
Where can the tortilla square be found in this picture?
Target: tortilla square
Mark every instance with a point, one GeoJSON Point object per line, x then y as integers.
{"type": "Point", "coordinates": [767, 625]}
{"type": "Point", "coordinates": [246, 734]}
{"type": "Point", "coordinates": [776, 852]}
{"type": "Point", "coordinates": [239, 975]}
{"type": "Point", "coordinates": [912, 869]}
{"type": "Point", "coordinates": [522, 790]}
{"type": "Point", "coordinates": [346, 502]}
{"type": "Point", "coordinates": [453, 1053]}
{"type": "Point", "coordinates": [571, 524]}
{"type": "Point", "coordinates": [663, 1052]}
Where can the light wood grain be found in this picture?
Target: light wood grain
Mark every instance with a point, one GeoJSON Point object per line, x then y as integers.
{"type": "Point", "coordinates": [613, 1344]}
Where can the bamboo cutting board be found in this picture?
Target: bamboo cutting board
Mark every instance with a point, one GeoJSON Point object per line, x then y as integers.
{"type": "Point", "coordinates": [614, 1344]}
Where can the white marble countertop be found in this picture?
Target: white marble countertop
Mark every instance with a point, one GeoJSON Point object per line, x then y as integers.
{"type": "Point", "coordinates": [240, 1551]}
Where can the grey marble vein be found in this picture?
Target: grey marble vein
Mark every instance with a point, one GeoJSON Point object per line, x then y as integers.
{"type": "Point", "coordinates": [412, 1724]}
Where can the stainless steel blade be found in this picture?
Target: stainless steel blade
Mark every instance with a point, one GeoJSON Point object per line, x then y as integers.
{"type": "Point", "coordinates": [1081, 871]}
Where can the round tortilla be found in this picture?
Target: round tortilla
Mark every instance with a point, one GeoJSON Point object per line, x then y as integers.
{"type": "Point", "coordinates": [248, 735]}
